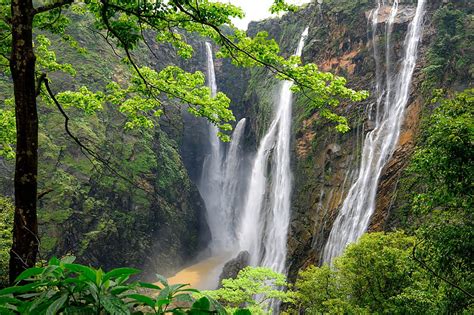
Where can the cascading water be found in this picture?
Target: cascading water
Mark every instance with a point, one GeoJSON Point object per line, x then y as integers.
{"type": "Point", "coordinates": [264, 225]}
{"type": "Point", "coordinates": [232, 185]}
{"type": "Point", "coordinates": [219, 179]}
{"type": "Point", "coordinates": [353, 218]}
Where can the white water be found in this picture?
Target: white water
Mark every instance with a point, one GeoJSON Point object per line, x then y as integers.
{"type": "Point", "coordinates": [220, 178]}
{"type": "Point", "coordinates": [264, 224]}
{"type": "Point", "coordinates": [353, 218]}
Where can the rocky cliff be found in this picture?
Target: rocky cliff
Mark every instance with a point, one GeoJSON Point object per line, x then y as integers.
{"type": "Point", "coordinates": [324, 161]}
{"type": "Point", "coordinates": [137, 206]}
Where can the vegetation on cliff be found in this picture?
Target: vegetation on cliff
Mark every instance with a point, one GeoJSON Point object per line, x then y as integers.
{"type": "Point", "coordinates": [146, 95]}
{"type": "Point", "coordinates": [113, 190]}
{"type": "Point", "coordinates": [429, 272]}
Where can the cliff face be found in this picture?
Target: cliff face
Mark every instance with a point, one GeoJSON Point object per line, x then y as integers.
{"type": "Point", "coordinates": [140, 208]}
{"type": "Point", "coordinates": [325, 162]}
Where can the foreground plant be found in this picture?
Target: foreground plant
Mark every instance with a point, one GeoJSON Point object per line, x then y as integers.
{"type": "Point", "coordinates": [63, 287]}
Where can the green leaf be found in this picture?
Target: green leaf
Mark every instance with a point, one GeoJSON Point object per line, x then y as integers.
{"type": "Point", "coordinates": [28, 273]}
{"type": "Point", "coordinates": [148, 285]}
{"type": "Point", "coordinates": [57, 305]}
{"type": "Point", "coordinates": [87, 272]}
{"type": "Point", "coordinates": [202, 304]}
{"type": "Point", "coordinates": [53, 262]}
{"type": "Point", "coordinates": [5, 300]}
{"type": "Point", "coordinates": [118, 272]}
{"type": "Point", "coordinates": [119, 289]}
{"type": "Point", "coordinates": [242, 312]}
{"type": "Point", "coordinates": [143, 299]}
{"type": "Point", "coordinates": [6, 311]}
{"type": "Point", "coordinates": [114, 305]}
{"type": "Point", "coordinates": [19, 289]}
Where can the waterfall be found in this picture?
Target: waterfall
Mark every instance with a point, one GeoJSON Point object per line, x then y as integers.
{"type": "Point", "coordinates": [220, 177]}
{"type": "Point", "coordinates": [231, 188]}
{"type": "Point", "coordinates": [264, 225]}
{"type": "Point", "coordinates": [353, 218]}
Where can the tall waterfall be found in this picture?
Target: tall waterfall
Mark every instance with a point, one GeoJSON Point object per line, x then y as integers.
{"type": "Point", "coordinates": [220, 177]}
{"type": "Point", "coordinates": [353, 218]}
{"type": "Point", "coordinates": [264, 225]}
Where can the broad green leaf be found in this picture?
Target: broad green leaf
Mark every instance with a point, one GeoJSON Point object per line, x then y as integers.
{"type": "Point", "coordinates": [7, 310]}
{"type": "Point", "coordinates": [119, 289]}
{"type": "Point", "coordinates": [142, 298]}
{"type": "Point", "coordinates": [28, 273]}
{"type": "Point", "coordinates": [87, 272]}
{"type": "Point", "coordinates": [202, 304]}
{"type": "Point", "coordinates": [118, 272]}
{"type": "Point", "coordinates": [148, 285]}
{"type": "Point", "coordinates": [53, 261]}
{"type": "Point", "coordinates": [114, 305]}
{"type": "Point", "coordinates": [57, 305]}
{"type": "Point", "coordinates": [161, 302]}
{"type": "Point", "coordinates": [6, 300]}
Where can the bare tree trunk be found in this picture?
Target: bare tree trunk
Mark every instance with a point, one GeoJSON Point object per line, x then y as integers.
{"type": "Point", "coordinates": [22, 64]}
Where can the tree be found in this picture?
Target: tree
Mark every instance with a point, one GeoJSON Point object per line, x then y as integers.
{"type": "Point", "coordinates": [443, 165]}
{"type": "Point", "coordinates": [124, 23]}
{"type": "Point", "coordinates": [254, 288]}
{"type": "Point", "coordinates": [373, 276]}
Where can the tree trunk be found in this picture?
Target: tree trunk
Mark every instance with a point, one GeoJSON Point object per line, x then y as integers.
{"type": "Point", "coordinates": [22, 64]}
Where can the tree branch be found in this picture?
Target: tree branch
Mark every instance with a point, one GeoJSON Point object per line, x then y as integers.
{"type": "Point", "coordinates": [425, 266]}
{"type": "Point", "coordinates": [52, 6]}
{"type": "Point", "coordinates": [86, 149]}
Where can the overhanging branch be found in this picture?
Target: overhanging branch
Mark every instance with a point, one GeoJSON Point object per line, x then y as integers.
{"type": "Point", "coordinates": [52, 6]}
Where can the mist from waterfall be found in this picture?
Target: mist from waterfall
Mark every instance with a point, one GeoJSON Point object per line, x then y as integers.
{"type": "Point", "coordinates": [391, 99]}
{"type": "Point", "coordinates": [266, 214]}
{"type": "Point", "coordinates": [219, 183]}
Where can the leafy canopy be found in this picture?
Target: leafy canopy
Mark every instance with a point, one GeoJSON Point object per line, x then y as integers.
{"type": "Point", "coordinates": [254, 287]}
{"type": "Point", "coordinates": [145, 97]}
{"type": "Point", "coordinates": [376, 275]}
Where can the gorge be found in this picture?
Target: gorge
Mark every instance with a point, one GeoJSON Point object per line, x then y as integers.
{"type": "Point", "coordinates": [292, 188]}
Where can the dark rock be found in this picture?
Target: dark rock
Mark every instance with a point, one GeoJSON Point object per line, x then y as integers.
{"type": "Point", "coordinates": [232, 267]}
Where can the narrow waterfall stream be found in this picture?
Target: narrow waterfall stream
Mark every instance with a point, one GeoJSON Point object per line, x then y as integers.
{"type": "Point", "coordinates": [264, 225]}
{"type": "Point", "coordinates": [220, 178]}
{"type": "Point", "coordinates": [353, 218]}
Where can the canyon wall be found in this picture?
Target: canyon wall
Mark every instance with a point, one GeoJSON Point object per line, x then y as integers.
{"type": "Point", "coordinates": [325, 162]}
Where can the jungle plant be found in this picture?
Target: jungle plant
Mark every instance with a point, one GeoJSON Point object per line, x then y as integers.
{"type": "Point", "coordinates": [63, 287]}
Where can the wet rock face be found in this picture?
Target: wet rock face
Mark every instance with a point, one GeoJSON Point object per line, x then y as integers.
{"type": "Point", "coordinates": [324, 162]}
{"type": "Point", "coordinates": [232, 267]}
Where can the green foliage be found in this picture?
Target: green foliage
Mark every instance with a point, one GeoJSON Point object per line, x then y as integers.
{"type": "Point", "coordinates": [7, 129]}
{"type": "Point", "coordinates": [450, 57]}
{"type": "Point", "coordinates": [253, 287]}
{"type": "Point", "coordinates": [281, 5]}
{"type": "Point", "coordinates": [376, 275]}
{"type": "Point", "coordinates": [140, 100]}
{"type": "Point", "coordinates": [444, 164]}
{"type": "Point", "coordinates": [6, 223]}
{"type": "Point", "coordinates": [68, 288]}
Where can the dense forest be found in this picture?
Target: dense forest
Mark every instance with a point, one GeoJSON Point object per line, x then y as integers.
{"type": "Point", "coordinates": [157, 159]}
